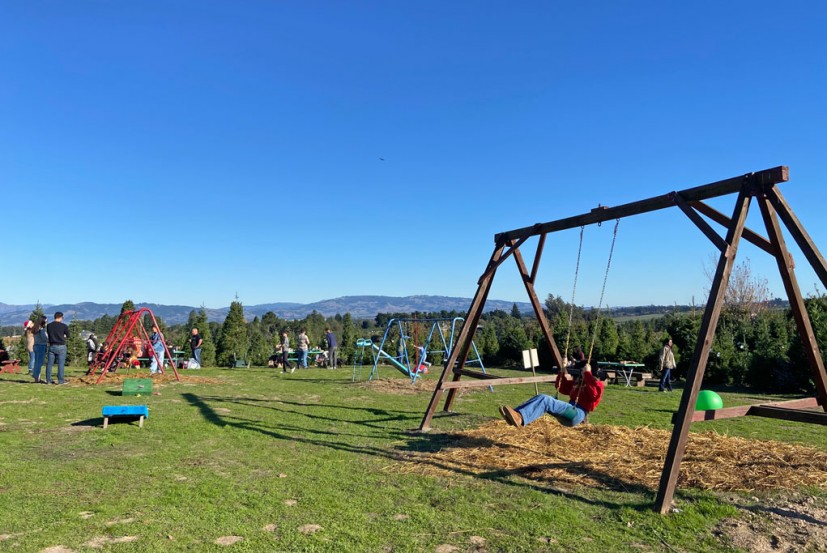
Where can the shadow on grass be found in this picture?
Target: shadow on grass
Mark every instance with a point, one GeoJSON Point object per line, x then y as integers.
{"type": "Point", "coordinates": [97, 421]}
{"type": "Point", "coordinates": [415, 444]}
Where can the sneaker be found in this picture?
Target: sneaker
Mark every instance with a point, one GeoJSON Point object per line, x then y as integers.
{"type": "Point", "coordinates": [511, 416]}
{"type": "Point", "coordinates": [292, 370]}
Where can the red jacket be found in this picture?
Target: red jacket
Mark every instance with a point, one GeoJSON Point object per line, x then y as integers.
{"type": "Point", "coordinates": [587, 394]}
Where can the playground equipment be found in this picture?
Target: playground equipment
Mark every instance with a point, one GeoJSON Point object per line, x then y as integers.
{"type": "Point", "coordinates": [362, 345]}
{"type": "Point", "coordinates": [761, 186]}
{"type": "Point", "coordinates": [139, 411]}
{"type": "Point", "coordinates": [708, 401]}
{"type": "Point", "coordinates": [413, 366]}
{"type": "Point", "coordinates": [128, 334]}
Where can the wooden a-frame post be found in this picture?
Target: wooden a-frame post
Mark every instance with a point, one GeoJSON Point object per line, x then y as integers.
{"type": "Point", "coordinates": [761, 185]}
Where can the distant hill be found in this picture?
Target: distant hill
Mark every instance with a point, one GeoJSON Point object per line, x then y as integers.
{"type": "Point", "coordinates": [360, 307]}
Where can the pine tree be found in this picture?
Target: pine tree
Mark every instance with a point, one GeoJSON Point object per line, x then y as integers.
{"type": "Point", "coordinates": [128, 305]}
{"type": "Point", "coordinates": [234, 343]}
{"type": "Point", "coordinates": [348, 342]}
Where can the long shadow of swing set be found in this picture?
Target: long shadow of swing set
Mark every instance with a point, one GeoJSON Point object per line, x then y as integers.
{"type": "Point", "coordinates": [761, 186]}
{"type": "Point", "coordinates": [413, 443]}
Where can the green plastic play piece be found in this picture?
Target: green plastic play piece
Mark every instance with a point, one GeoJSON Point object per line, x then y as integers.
{"type": "Point", "coordinates": [708, 401]}
{"type": "Point", "coordinates": [137, 386]}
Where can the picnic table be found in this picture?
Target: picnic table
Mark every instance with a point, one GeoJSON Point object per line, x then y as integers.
{"type": "Point", "coordinates": [626, 370]}
{"type": "Point", "coordinates": [293, 355]}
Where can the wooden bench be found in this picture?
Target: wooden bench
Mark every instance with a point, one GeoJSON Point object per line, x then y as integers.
{"type": "Point", "coordinates": [140, 411]}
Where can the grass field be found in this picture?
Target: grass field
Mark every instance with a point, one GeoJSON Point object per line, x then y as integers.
{"type": "Point", "coordinates": [312, 462]}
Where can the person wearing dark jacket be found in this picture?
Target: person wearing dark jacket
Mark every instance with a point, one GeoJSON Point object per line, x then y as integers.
{"type": "Point", "coordinates": [58, 335]}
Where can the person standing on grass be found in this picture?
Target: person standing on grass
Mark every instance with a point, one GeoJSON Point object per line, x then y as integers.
{"type": "Point", "coordinates": [156, 340]}
{"type": "Point", "coordinates": [332, 349]}
{"type": "Point", "coordinates": [302, 344]}
{"type": "Point", "coordinates": [585, 391]}
{"type": "Point", "coordinates": [666, 363]}
{"type": "Point", "coordinates": [285, 351]}
{"type": "Point", "coordinates": [41, 343]}
{"type": "Point", "coordinates": [29, 332]}
{"type": "Point", "coordinates": [58, 335]}
{"type": "Point", "coordinates": [195, 343]}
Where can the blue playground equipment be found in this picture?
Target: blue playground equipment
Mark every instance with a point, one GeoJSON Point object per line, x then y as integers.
{"type": "Point", "coordinates": [413, 365]}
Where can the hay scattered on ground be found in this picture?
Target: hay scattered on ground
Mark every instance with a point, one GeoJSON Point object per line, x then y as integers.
{"type": "Point", "coordinates": [400, 386]}
{"type": "Point", "coordinates": [166, 378]}
{"type": "Point", "coordinates": [623, 458]}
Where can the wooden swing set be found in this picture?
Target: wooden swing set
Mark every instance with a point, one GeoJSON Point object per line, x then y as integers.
{"type": "Point", "coordinates": [762, 186]}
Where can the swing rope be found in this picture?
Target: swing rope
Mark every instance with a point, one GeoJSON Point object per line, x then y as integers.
{"type": "Point", "coordinates": [602, 293]}
{"type": "Point", "coordinates": [573, 292]}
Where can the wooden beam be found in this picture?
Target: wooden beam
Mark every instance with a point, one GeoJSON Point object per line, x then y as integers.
{"type": "Point", "coordinates": [484, 383]}
{"type": "Point", "coordinates": [536, 266]}
{"type": "Point", "coordinates": [474, 374]}
{"type": "Point", "coordinates": [493, 264]}
{"type": "Point", "coordinates": [799, 310]}
{"type": "Point", "coordinates": [797, 415]}
{"type": "Point", "coordinates": [713, 236]}
{"type": "Point", "coordinates": [749, 235]}
{"type": "Point", "coordinates": [743, 410]}
{"type": "Point", "coordinates": [539, 313]}
{"type": "Point", "coordinates": [758, 179]}
{"type": "Point", "coordinates": [463, 343]}
{"type": "Point", "coordinates": [680, 433]}
{"type": "Point", "coordinates": [808, 247]}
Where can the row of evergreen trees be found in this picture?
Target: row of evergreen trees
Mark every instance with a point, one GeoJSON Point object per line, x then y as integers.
{"type": "Point", "coordinates": [758, 349]}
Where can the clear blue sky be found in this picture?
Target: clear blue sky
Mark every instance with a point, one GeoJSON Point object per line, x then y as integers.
{"type": "Point", "coordinates": [182, 152]}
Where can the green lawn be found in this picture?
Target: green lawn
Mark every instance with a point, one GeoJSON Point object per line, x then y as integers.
{"type": "Point", "coordinates": [259, 455]}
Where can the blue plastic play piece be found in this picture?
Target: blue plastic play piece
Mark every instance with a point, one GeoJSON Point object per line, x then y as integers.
{"type": "Point", "coordinates": [124, 411]}
{"type": "Point", "coordinates": [121, 410]}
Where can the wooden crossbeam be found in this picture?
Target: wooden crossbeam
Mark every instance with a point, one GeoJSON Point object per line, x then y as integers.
{"type": "Point", "coordinates": [797, 415]}
{"type": "Point", "coordinates": [498, 381]}
{"type": "Point", "coordinates": [758, 179]}
{"type": "Point", "coordinates": [744, 410]}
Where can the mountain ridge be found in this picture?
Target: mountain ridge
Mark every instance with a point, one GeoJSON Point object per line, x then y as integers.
{"type": "Point", "coordinates": [359, 307]}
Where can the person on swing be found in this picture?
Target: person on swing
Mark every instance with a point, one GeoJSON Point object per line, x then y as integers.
{"type": "Point", "coordinates": [585, 392]}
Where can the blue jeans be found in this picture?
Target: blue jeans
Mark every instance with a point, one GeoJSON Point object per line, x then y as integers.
{"type": "Point", "coordinates": [31, 362]}
{"type": "Point", "coordinates": [59, 353]}
{"type": "Point", "coordinates": [197, 354]}
{"type": "Point", "coordinates": [536, 407]}
{"type": "Point", "coordinates": [666, 380]}
{"type": "Point", "coordinates": [153, 367]}
{"type": "Point", "coordinates": [39, 358]}
{"type": "Point", "coordinates": [302, 359]}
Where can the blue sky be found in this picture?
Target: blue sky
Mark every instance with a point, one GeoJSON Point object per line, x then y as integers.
{"type": "Point", "coordinates": [186, 152]}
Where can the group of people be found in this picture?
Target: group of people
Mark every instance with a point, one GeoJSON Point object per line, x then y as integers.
{"type": "Point", "coordinates": [302, 347]}
{"type": "Point", "coordinates": [46, 341]}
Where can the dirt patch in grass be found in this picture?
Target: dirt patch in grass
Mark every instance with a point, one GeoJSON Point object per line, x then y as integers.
{"type": "Point", "coordinates": [228, 540]}
{"type": "Point", "coordinates": [157, 380]}
{"type": "Point", "coordinates": [786, 524]}
{"type": "Point", "coordinates": [101, 541]}
{"type": "Point", "coordinates": [399, 386]}
{"type": "Point", "coordinates": [623, 458]}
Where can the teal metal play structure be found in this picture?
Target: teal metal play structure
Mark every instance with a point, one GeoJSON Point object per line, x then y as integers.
{"type": "Point", "coordinates": [410, 358]}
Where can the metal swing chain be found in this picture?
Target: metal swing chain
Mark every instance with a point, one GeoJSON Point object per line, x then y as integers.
{"type": "Point", "coordinates": [573, 291]}
{"type": "Point", "coordinates": [603, 291]}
